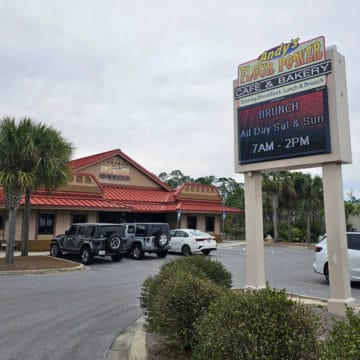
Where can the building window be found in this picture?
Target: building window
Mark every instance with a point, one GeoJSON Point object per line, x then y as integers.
{"type": "Point", "coordinates": [191, 220]}
{"type": "Point", "coordinates": [210, 223]}
{"type": "Point", "coordinates": [79, 218]}
{"type": "Point", "coordinates": [46, 224]}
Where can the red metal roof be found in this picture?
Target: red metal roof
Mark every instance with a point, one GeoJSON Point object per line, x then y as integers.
{"type": "Point", "coordinates": [73, 202]}
{"type": "Point", "coordinates": [125, 198]}
{"type": "Point", "coordinates": [137, 194]}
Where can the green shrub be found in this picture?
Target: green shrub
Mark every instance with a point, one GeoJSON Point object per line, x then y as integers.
{"type": "Point", "coordinates": [179, 303]}
{"type": "Point", "coordinates": [199, 266]}
{"type": "Point", "coordinates": [344, 340]}
{"type": "Point", "coordinates": [262, 324]}
{"type": "Point", "coordinates": [202, 266]}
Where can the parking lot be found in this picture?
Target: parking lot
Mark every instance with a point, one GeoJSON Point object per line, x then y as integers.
{"type": "Point", "coordinates": [78, 315]}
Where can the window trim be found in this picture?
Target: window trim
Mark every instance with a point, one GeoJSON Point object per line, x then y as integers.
{"type": "Point", "coordinates": [51, 227]}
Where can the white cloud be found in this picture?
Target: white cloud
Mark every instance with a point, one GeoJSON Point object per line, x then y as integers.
{"type": "Point", "coordinates": [155, 78]}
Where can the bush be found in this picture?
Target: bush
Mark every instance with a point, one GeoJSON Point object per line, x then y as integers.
{"type": "Point", "coordinates": [178, 303]}
{"type": "Point", "coordinates": [344, 340]}
{"type": "Point", "coordinates": [155, 286]}
{"type": "Point", "coordinates": [261, 324]}
{"type": "Point", "coordinates": [202, 266]}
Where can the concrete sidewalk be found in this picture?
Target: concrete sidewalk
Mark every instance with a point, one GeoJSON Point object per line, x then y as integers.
{"type": "Point", "coordinates": [32, 253]}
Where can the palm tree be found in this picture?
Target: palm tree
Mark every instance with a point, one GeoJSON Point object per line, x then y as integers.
{"type": "Point", "coordinates": [352, 207]}
{"type": "Point", "coordinates": [16, 171]}
{"type": "Point", "coordinates": [52, 153]}
{"type": "Point", "coordinates": [287, 199]}
{"type": "Point", "coordinates": [272, 187]}
{"type": "Point", "coordinates": [309, 192]}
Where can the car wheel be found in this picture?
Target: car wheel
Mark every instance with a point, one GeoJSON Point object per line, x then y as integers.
{"type": "Point", "coordinates": [55, 250]}
{"type": "Point", "coordinates": [162, 254]}
{"type": "Point", "coordinates": [138, 252]}
{"type": "Point", "coordinates": [206, 252]}
{"type": "Point", "coordinates": [185, 250]}
{"type": "Point", "coordinates": [114, 242]}
{"type": "Point", "coordinates": [86, 255]}
{"type": "Point", "coordinates": [161, 240]}
{"type": "Point", "coordinates": [116, 258]}
{"type": "Point", "coordinates": [326, 273]}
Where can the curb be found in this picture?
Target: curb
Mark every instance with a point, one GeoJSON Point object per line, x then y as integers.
{"type": "Point", "coordinates": [137, 349]}
{"type": "Point", "coordinates": [130, 343]}
{"type": "Point", "coordinates": [76, 267]}
{"type": "Point", "coordinates": [80, 267]}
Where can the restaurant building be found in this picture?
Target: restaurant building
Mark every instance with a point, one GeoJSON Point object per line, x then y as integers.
{"type": "Point", "coordinates": [112, 187]}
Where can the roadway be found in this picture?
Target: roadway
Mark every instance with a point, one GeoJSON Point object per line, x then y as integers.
{"type": "Point", "coordinates": [78, 315]}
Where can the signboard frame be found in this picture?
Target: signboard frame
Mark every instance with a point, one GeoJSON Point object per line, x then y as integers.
{"type": "Point", "coordinates": [338, 126]}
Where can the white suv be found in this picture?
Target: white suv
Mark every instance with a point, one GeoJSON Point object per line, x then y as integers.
{"type": "Point", "coordinates": [320, 264]}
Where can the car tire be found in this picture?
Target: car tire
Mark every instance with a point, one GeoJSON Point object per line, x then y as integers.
{"type": "Point", "coordinates": [185, 250]}
{"type": "Point", "coordinates": [162, 254]}
{"type": "Point", "coordinates": [116, 258]}
{"type": "Point", "coordinates": [86, 255]}
{"type": "Point", "coordinates": [114, 242]}
{"type": "Point", "coordinates": [138, 252]}
{"type": "Point", "coordinates": [55, 250]}
{"type": "Point", "coordinates": [326, 273]}
{"type": "Point", "coordinates": [206, 252]}
{"type": "Point", "coordinates": [161, 240]}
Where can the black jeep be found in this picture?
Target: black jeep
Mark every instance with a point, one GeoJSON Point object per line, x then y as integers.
{"type": "Point", "coordinates": [91, 239]}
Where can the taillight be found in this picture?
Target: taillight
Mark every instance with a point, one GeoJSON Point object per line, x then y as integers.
{"type": "Point", "coordinates": [201, 239]}
{"type": "Point", "coordinates": [318, 248]}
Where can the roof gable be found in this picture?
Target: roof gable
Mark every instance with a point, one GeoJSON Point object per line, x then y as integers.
{"type": "Point", "coordinates": [106, 161]}
{"type": "Point", "coordinates": [188, 191]}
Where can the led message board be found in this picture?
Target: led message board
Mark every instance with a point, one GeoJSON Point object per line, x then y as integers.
{"type": "Point", "coordinates": [293, 126]}
{"type": "Point", "coordinates": [281, 103]}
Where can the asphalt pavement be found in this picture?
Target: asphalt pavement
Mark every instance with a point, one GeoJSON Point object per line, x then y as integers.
{"type": "Point", "coordinates": [130, 344]}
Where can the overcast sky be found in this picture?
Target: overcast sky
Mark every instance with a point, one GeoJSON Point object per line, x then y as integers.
{"type": "Point", "coordinates": [154, 78]}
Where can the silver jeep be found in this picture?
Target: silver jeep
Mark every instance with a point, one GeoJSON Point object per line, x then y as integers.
{"type": "Point", "coordinates": [91, 239]}
{"type": "Point", "coordinates": [147, 238]}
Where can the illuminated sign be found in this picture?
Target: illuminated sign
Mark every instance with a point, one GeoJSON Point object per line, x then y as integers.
{"type": "Point", "coordinates": [288, 69]}
{"type": "Point", "coordinates": [282, 103]}
{"type": "Point", "coordinates": [294, 126]}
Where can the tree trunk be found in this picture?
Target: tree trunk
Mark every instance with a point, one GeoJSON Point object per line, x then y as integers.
{"type": "Point", "coordinates": [289, 220]}
{"type": "Point", "coordinates": [26, 220]}
{"type": "Point", "coordinates": [11, 237]}
{"type": "Point", "coordinates": [275, 205]}
{"type": "Point", "coordinates": [308, 228]}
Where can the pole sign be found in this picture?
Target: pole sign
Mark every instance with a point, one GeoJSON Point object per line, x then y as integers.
{"type": "Point", "coordinates": [281, 102]}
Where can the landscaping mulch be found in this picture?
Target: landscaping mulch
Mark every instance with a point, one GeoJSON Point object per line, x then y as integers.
{"type": "Point", "coordinates": [36, 262]}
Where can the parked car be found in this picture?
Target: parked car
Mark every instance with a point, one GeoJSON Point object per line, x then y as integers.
{"type": "Point", "coordinates": [91, 239]}
{"type": "Point", "coordinates": [189, 241]}
{"type": "Point", "coordinates": [147, 238]}
{"type": "Point", "coordinates": [320, 264]}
